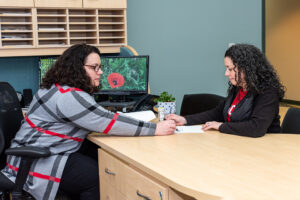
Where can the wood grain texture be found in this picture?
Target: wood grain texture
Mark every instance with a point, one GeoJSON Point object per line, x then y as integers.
{"type": "Point", "coordinates": [215, 165]}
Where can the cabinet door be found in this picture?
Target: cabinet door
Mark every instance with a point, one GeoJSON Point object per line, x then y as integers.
{"type": "Point", "coordinates": [104, 3]}
{"type": "Point", "coordinates": [58, 3]}
{"type": "Point", "coordinates": [18, 3]}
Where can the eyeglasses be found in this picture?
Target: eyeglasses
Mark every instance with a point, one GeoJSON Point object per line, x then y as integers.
{"type": "Point", "coordinates": [96, 68]}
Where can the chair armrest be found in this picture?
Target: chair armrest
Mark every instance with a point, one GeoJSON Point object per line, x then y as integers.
{"type": "Point", "coordinates": [31, 152]}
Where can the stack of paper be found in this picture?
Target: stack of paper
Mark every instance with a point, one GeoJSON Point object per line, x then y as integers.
{"type": "Point", "coordinates": [147, 115]}
{"type": "Point", "coordinates": [189, 129]}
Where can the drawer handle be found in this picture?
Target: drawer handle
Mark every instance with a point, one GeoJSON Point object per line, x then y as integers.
{"type": "Point", "coordinates": [143, 196]}
{"type": "Point", "coordinates": [109, 172]}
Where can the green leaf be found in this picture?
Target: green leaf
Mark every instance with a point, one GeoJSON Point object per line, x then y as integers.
{"type": "Point", "coordinates": [165, 97]}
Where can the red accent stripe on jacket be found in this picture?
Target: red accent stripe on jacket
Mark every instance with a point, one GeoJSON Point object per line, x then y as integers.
{"type": "Point", "coordinates": [35, 174]}
{"type": "Point", "coordinates": [66, 90]}
{"type": "Point", "coordinates": [111, 123]}
{"type": "Point", "coordinates": [32, 125]}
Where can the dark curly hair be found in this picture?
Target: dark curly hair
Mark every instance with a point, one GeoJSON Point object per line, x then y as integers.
{"type": "Point", "coordinates": [259, 73]}
{"type": "Point", "coordinates": [69, 70]}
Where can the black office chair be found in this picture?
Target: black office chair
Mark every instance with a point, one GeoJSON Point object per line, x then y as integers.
{"type": "Point", "coordinates": [196, 103]}
{"type": "Point", "coordinates": [10, 122]}
{"type": "Point", "coordinates": [291, 121]}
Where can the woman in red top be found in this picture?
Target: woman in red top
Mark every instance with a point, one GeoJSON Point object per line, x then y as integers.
{"type": "Point", "coordinates": [252, 105]}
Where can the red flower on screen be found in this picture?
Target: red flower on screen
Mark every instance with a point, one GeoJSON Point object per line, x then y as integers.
{"type": "Point", "coordinates": [115, 80]}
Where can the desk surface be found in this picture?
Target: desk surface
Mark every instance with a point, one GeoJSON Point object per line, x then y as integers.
{"type": "Point", "coordinates": [212, 165]}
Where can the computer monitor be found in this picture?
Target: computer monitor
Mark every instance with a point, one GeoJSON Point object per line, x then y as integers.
{"type": "Point", "coordinates": [45, 64]}
{"type": "Point", "coordinates": [124, 75]}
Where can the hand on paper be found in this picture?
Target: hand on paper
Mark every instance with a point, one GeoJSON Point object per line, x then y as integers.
{"type": "Point", "coordinates": [179, 120]}
{"type": "Point", "coordinates": [211, 125]}
{"type": "Point", "coordinates": [166, 127]}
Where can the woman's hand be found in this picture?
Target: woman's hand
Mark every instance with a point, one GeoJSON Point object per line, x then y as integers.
{"type": "Point", "coordinates": [211, 125]}
{"type": "Point", "coordinates": [179, 120]}
{"type": "Point", "coordinates": [166, 127]}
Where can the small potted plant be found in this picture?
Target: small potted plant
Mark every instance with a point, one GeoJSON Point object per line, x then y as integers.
{"type": "Point", "coordinates": [167, 102]}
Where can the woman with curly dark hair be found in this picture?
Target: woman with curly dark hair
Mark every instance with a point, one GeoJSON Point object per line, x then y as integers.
{"type": "Point", "coordinates": [69, 70]}
{"type": "Point", "coordinates": [59, 118]}
{"type": "Point", "coordinates": [252, 105]}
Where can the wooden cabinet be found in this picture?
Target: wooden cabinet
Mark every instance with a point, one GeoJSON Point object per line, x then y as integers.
{"type": "Point", "coordinates": [77, 3]}
{"type": "Point", "coordinates": [120, 181]}
{"type": "Point", "coordinates": [49, 31]}
{"type": "Point", "coordinates": [112, 27]}
{"type": "Point", "coordinates": [16, 27]}
{"type": "Point", "coordinates": [110, 193]}
{"type": "Point", "coordinates": [104, 3]}
{"type": "Point", "coordinates": [52, 27]}
{"type": "Point", "coordinates": [58, 3]}
{"type": "Point", "coordinates": [17, 3]}
{"type": "Point", "coordinates": [83, 27]}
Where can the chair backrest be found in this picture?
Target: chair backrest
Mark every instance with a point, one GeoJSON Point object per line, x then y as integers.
{"type": "Point", "coordinates": [10, 117]}
{"type": "Point", "coordinates": [291, 121]}
{"type": "Point", "coordinates": [196, 103]}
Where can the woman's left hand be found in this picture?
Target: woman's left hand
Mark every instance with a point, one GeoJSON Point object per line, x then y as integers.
{"type": "Point", "coordinates": [211, 125]}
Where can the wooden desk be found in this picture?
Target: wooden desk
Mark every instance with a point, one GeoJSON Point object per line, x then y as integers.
{"type": "Point", "coordinates": [214, 165]}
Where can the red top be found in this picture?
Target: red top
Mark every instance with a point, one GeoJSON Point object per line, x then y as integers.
{"type": "Point", "coordinates": [240, 95]}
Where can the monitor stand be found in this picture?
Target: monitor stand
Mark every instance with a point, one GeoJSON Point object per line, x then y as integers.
{"type": "Point", "coordinates": [118, 102]}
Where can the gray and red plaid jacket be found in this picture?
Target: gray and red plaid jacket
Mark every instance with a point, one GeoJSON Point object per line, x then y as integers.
{"type": "Point", "coordinates": [60, 119]}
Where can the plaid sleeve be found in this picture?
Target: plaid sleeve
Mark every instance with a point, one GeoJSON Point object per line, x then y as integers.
{"type": "Point", "coordinates": [80, 109]}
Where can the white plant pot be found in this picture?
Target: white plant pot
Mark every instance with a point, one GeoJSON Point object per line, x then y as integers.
{"type": "Point", "coordinates": [169, 107]}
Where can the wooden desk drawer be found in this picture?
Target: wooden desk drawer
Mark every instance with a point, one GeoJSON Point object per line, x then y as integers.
{"type": "Point", "coordinates": [108, 192]}
{"type": "Point", "coordinates": [128, 181]}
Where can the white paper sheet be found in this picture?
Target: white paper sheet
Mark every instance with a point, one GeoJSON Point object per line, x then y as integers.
{"type": "Point", "coordinates": [189, 129]}
{"type": "Point", "coordinates": [147, 115]}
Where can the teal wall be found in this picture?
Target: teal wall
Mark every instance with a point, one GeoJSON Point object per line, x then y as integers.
{"type": "Point", "coordinates": [186, 40]}
{"type": "Point", "coordinates": [20, 72]}
{"type": "Point", "coordinates": [23, 72]}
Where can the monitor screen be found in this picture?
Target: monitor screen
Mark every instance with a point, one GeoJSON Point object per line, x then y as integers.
{"type": "Point", "coordinates": [121, 75]}
{"type": "Point", "coordinates": [44, 64]}
{"type": "Point", "coordinates": [124, 75]}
